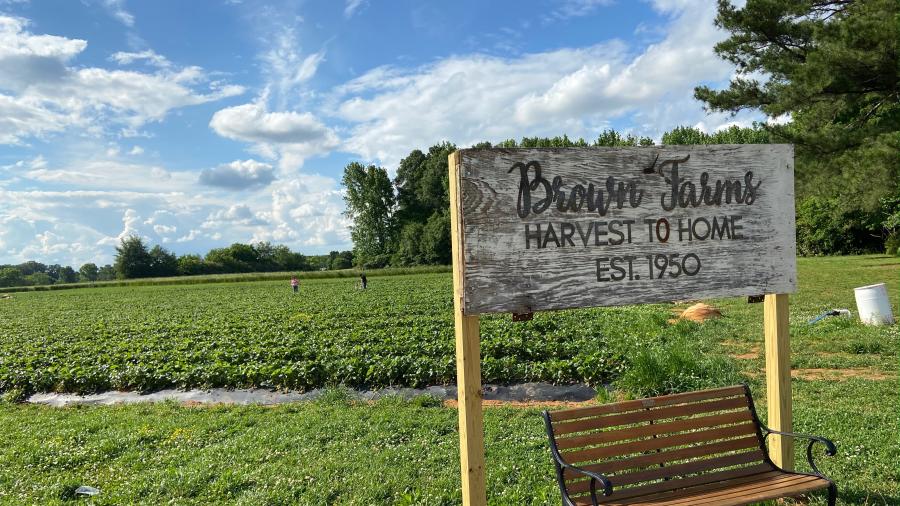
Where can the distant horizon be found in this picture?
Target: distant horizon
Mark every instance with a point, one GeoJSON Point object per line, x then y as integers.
{"type": "Point", "coordinates": [195, 127]}
{"type": "Point", "coordinates": [200, 254]}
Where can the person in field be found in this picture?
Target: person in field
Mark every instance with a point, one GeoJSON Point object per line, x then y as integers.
{"type": "Point", "coordinates": [295, 284]}
{"type": "Point", "coordinates": [363, 281]}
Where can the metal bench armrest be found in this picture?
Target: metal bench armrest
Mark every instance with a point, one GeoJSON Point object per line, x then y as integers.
{"type": "Point", "coordinates": [595, 477]}
{"type": "Point", "coordinates": [607, 485]}
{"type": "Point", "coordinates": [830, 448]}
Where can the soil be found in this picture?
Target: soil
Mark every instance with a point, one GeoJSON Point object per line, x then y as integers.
{"type": "Point", "coordinates": [842, 374]}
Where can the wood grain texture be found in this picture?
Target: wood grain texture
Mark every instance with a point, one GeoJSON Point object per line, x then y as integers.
{"type": "Point", "coordinates": [501, 274]}
{"type": "Point", "coordinates": [468, 366]}
{"type": "Point", "coordinates": [778, 377]}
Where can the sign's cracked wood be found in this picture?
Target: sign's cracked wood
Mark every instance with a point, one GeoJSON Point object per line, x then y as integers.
{"type": "Point", "coordinates": [564, 228]}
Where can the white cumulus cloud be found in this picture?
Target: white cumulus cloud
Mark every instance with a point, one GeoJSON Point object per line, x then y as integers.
{"type": "Point", "coordinates": [578, 91]}
{"type": "Point", "coordinates": [238, 175]}
{"type": "Point", "coordinates": [42, 92]}
{"type": "Point", "coordinates": [294, 136]}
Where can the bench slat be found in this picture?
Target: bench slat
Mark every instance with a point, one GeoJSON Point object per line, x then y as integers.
{"type": "Point", "coordinates": [665, 400]}
{"type": "Point", "coordinates": [689, 452]}
{"type": "Point", "coordinates": [732, 475]}
{"type": "Point", "coordinates": [729, 493]}
{"type": "Point", "coordinates": [657, 429]}
{"type": "Point", "coordinates": [642, 445]}
{"type": "Point", "coordinates": [648, 415]}
{"type": "Point", "coordinates": [695, 466]}
{"type": "Point", "coordinates": [676, 470]}
{"type": "Point", "coordinates": [735, 491]}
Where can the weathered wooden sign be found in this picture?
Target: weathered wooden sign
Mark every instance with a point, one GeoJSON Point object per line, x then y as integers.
{"type": "Point", "coordinates": [563, 228]}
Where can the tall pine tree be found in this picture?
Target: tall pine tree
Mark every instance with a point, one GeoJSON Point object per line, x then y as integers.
{"type": "Point", "coordinates": [833, 66]}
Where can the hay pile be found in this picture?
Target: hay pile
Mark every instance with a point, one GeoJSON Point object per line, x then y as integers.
{"type": "Point", "coordinates": [699, 313]}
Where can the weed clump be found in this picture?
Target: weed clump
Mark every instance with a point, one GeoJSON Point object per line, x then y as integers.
{"type": "Point", "coordinates": [674, 367]}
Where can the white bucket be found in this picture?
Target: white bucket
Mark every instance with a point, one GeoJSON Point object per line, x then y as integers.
{"type": "Point", "coordinates": [873, 304]}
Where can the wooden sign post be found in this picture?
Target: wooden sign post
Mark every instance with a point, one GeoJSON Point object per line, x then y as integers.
{"type": "Point", "coordinates": [468, 363]}
{"type": "Point", "coordinates": [545, 229]}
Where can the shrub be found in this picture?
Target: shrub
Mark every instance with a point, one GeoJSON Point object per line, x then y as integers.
{"type": "Point", "coordinates": [824, 227]}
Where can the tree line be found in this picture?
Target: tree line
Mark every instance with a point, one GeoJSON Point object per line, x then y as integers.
{"type": "Point", "coordinates": [135, 259]}
{"type": "Point", "coordinates": [405, 221]}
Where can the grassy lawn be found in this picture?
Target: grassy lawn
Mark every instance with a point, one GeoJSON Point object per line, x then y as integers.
{"type": "Point", "coordinates": [396, 452]}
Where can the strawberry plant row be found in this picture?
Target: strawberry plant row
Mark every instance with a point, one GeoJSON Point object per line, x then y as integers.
{"type": "Point", "coordinates": [399, 332]}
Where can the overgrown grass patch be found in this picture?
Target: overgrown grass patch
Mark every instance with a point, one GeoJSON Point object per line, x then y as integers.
{"type": "Point", "coordinates": [673, 367]}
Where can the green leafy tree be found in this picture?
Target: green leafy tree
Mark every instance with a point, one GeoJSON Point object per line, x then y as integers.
{"type": "Point", "coordinates": [243, 256]}
{"type": "Point", "coordinates": [410, 206]}
{"type": "Point", "coordinates": [343, 260]}
{"type": "Point", "coordinates": [11, 276]}
{"type": "Point", "coordinates": [338, 260]}
{"type": "Point", "coordinates": [163, 263]}
{"type": "Point", "coordinates": [88, 272]}
{"type": "Point", "coordinates": [264, 256]}
{"type": "Point", "coordinates": [826, 227]}
{"type": "Point", "coordinates": [67, 275]}
{"type": "Point", "coordinates": [191, 265]}
{"type": "Point", "coordinates": [235, 258]}
{"type": "Point", "coordinates": [53, 272]}
{"type": "Point", "coordinates": [286, 260]}
{"type": "Point", "coordinates": [423, 190]}
{"type": "Point", "coordinates": [38, 279]}
{"type": "Point", "coordinates": [106, 273]}
{"type": "Point", "coordinates": [732, 135]}
{"type": "Point", "coordinates": [834, 67]}
{"type": "Point", "coordinates": [435, 244]}
{"type": "Point", "coordinates": [612, 138]}
{"type": "Point", "coordinates": [554, 142]}
{"type": "Point", "coordinates": [132, 259]}
{"type": "Point", "coordinates": [408, 249]}
{"type": "Point", "coordinates": [370, 206]}
{"type": "Point", "coordinates": [30, 267]}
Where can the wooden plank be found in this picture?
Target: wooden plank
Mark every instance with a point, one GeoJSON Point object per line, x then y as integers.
{"type": "Point", "coordinates": [740, 475]}
{"type": "Point", "coordinates": [652, 430]}
{"type": "Point", "coordinates": [735, 491]}
{"type": "Point", "coordinates": [530, 247]}
{"type": "Point", "coordinates": [468, 364]}
{"type": "Point", "coordinates": [778, 377]}
{"type": "Point", "coordinates": [659, 473]}
{"type": "Point", "coordinates": [702, 450]}
{"type": "Point", "coordinates": [642, 445]}
{"type": "Point", "coordinates": [742, 491]}
{"type": "Point", "coordinates": [648, 415]}
{"type": "Point", "coordinates": [650, 402]}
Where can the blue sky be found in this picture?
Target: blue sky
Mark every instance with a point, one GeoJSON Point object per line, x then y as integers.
{"type": "Point", "coordinates": [198, 124]}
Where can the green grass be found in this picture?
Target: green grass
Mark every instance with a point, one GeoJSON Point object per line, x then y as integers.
{"type": "Point", "coordinates": [395, 452]}
{"type": "Point", "coordinates": [392, 452]}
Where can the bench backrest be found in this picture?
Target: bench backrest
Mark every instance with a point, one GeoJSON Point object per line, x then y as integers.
{"type": "Point", "coordinates": [663, 443]}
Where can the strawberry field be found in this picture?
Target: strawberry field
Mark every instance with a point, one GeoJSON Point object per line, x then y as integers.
{"type": "Point", "coordinates": [399, 332]}
{"type": "Point", "coordinates": [336, 450]}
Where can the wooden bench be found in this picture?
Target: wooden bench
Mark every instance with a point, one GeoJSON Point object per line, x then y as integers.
{"type": "Point", "coordinates": [698, 448]}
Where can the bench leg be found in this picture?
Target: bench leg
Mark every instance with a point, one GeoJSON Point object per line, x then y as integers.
{"type": "Point", "coordinates": [832, 495]}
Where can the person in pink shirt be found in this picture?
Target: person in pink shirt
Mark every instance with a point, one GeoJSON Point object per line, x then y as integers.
{"type": "Point", "coordinates": [295, 284]}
